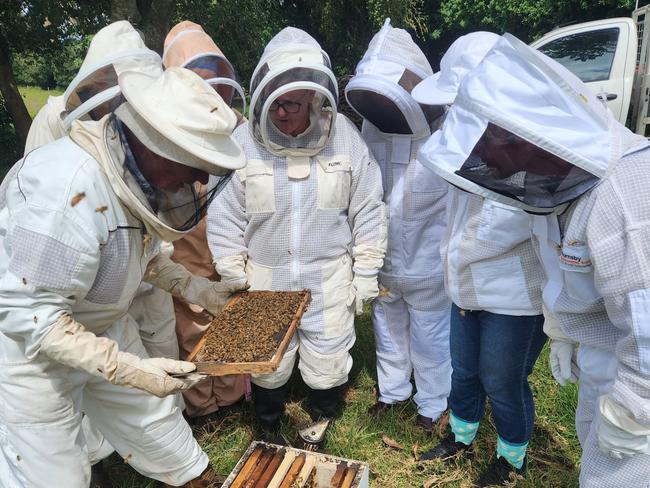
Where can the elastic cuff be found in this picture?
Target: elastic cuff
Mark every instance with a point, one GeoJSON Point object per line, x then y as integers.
{"type": "Point", "coordinates": [464, 431]}
{"type": "Point", "coordinates": [365, 271]}
{"type": "Point", "coordinates": [513, 453]}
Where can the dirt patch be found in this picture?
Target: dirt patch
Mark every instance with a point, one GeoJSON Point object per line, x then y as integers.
{"type": "Point", "coordinates": [252, 328]}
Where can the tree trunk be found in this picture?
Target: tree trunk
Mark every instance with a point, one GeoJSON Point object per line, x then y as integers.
{"type": "Point", "coordinates": [13, 100]}
{"type": "Point", "coordinates": [152, 17]}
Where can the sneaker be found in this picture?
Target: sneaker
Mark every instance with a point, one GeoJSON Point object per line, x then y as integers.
{"type": "Point", "coordinates": [447, 448]}
{"type": "Point", "coordinates": [425, 423]}
{"type": "Point", "coordinates": [498, 473]}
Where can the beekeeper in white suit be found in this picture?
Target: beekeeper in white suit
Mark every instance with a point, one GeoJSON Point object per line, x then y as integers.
{"type": "Point", "coordinates": [528, 133]}
{"type": "Point", "coordinates": [305, 213]}
{"type": "Point", "coordinates": [494, 280]}
{"type": "Point", "coordinates": [411, 318]}
{"type": "Point", "coordinates": [93, 93]}
{"type": "Point", "coordinates": [80, 229]}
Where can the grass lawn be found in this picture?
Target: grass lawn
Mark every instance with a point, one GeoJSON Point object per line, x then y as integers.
{"type": "Point", "coordinates": [553, 455]}
{"type": "Point", "coordinates": [36, 97]}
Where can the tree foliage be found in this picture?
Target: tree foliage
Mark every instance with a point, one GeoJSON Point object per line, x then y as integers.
{"type": "Point", "coordinates": [41, 28]}
{"type": "Point", "coordinates": [241, 28]}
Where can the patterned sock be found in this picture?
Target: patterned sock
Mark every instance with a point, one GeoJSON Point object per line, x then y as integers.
{"type": "Point", "coordinates": [464, 432]}
{"type": "Point", "coordinates": [513, 453]}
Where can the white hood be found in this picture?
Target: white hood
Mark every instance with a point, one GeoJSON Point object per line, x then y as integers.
{"type": "Point", "coordinates": [293, 60]}
{"type": "Point", "coordinates": [116, 48]}
{"type": "Point", "coordinates": [380, 90]}
{"type": "Point", "coordinates": [531, 100]}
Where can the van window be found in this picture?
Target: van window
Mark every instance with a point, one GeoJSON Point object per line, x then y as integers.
{"type": "Point", "coordinates": [589, 55]}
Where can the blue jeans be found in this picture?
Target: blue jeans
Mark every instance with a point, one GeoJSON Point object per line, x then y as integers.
{"type": "Point", "coordinates": [493, 355]}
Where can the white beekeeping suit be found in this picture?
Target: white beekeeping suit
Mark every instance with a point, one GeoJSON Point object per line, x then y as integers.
{"type": "Point", "coordinates": [47, 125]}
{"type": "Point", "coordinates": [305, 213]}
{"type": "Point", "coordinates": [91, 94]}
{"type": "Point", "coordinates": [78, 233]}
{"type": "Point", "coordinates": [95, 91]}
{"type": "Point", "coordinates": [488, 257]}
{"type": "Point", "coordinates": [411, 319]}
{"type": "Point", "coordinates": [535, 137]}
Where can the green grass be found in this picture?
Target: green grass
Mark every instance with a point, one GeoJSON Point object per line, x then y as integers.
{"type": "Point", "coordinates": [553, 455]}
{"type": "Point", "coordinates": [36, 97]}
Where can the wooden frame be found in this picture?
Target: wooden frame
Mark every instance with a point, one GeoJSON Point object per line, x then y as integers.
{"type": "Point", "coordinates": [355, 474]}
{"type": "Point", "coordinates": [217, 368]}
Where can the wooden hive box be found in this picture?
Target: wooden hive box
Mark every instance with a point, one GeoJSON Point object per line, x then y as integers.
{"type": "Point", "coordinates": [220, 368]}
{"type": "Point", "coordinates": [271, 466]}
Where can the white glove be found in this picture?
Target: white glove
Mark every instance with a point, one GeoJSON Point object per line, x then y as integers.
{"type": "Point", "coordinates": [164, 273]}
{"type": "Point", "coordinates": [212, 295]}
{"type": "Point", "coordinates": [562, 361]}
{"type": "Point", "coordinates": [68, 342]}
{"type": "Point", "coordinates": [363, 289]}
{"type": "Point", "coordinates": [619, 434]}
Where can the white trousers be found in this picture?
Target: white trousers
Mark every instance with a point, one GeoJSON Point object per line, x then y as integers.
{"type": "Point", "coordinates": [409, 340]}
{"type": "Point", "coordinates": [597, 374]}
{"type": "Point", "coordinates": [153, 310]}
{"type": "Point", "coordinates": [42, 404]}
{"type": "Point", "coordinates": [320, 369]}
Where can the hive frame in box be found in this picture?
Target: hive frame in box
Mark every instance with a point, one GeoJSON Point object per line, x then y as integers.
{"type": "Point", "coordinates": [216, 368]}
{"type": "Point", "coordinates": [360, 480]}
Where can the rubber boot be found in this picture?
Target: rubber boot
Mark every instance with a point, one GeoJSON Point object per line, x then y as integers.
{"type": "Point", "coordinates": [325, 405]}
{"type": "Point", "coordinates": [269, 406]}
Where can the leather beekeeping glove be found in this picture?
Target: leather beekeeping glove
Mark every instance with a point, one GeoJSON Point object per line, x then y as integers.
{"type": "Point", "coordinates": [562, 360]}
{"type": "Point", "coordinates": [232, 269]}
{"type": "Point", "coordinates": [69, 343]}
{"type": "Point", "coordinates": [363, 289]}
{"type": "Point", "coordinates": [164, 273]}
{"type": "Point", "coordinates": [619, 434]}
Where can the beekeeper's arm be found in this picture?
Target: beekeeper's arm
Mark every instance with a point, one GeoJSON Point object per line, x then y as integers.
{"type": "Point", "coordinates": [367, 217]}
{"type": "Point", "coordinates": [563, 354]}
{"type": "Point", "coordinates": [173, 277]}
{"type": "Point", "coordinates": [618, 244]}
{"type": "Point", "coordinates": [227, 222]}
{"type": "Point", "coordinates": [52, 263]}
{"type": "Point", "coordinates": [562, 358]}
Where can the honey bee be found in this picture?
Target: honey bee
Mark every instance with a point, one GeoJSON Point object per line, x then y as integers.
{"type": "Point", "coordinates": [77, 198]}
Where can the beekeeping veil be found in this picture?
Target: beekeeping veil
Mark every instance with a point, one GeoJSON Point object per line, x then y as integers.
{"type": "Point", "coordinates": [116, 48]}
{"type": "Point", "coordinates": [525, 131]}
{"type": "Point", "coordinates": [380, 90]}
{"type": "Point", "coordinates": [179, 117]}
{"type": "Point", "coordinates": [291, 61]}
{"type": "Point", "coordinates": [188, 46]}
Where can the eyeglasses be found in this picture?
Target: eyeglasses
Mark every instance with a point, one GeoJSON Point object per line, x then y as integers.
{"type": "Point", "coordinates": [289, 107]}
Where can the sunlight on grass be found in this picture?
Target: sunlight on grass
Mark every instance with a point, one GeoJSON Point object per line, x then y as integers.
{"type": "Point", "coordinates": [36, 97]}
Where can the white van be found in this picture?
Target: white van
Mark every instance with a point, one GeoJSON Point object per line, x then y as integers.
{"type": "Point", "coordinates": [611, 56]}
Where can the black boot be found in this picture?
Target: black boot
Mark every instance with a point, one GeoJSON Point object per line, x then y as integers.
{"type": "Point", "coordinates": [326, 404]}
{"type": "Point", "coordinates": [269, 406]}
{"type": "Point", "coordinates": [99, 477]}
{"type": "Point", "coordinates": [447, 448]}
{"type": "Point", "coordinates": [498, 473]}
